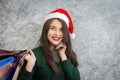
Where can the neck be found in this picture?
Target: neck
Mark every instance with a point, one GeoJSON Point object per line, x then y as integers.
{"type": "Point", "coordinates": [52, 47]}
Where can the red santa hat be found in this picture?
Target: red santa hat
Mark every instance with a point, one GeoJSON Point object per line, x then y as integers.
{"type": "Point", "coordinates": [65, 16]}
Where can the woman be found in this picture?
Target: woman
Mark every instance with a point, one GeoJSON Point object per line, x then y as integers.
{"type": "Point", "coordinates": [54, 59]}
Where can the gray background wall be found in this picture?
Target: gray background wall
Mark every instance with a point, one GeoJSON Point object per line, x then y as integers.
{"type": "Point", "coordinates": [97, 26]}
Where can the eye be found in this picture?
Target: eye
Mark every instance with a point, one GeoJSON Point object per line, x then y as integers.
{"type": "Point", "coordinates": [52, 28]}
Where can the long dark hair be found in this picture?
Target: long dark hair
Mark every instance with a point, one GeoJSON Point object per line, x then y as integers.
{"type": "Point", "coordinates": [44, 44]}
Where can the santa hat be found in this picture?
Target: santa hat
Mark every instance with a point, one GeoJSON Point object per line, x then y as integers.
{"type": "Point", "coordinates": [65, 16]}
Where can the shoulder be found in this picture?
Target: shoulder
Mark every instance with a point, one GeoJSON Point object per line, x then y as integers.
{"type": "Point", "coordinates": [37, 49]}
{"type": "Point", "coordinates": [38, 52]}
{"type": "Point", "coordinates": [40, 57]}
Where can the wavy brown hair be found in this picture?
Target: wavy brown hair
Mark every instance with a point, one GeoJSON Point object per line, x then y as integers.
{"type": "Point", "coordinates": [45, 45]}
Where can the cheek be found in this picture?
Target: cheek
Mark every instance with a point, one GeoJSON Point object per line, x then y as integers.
{"type": "Point", "coordinates": [50, 33]}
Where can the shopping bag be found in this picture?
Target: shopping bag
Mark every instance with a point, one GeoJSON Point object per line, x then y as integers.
{"type": "Point", "coordinates": [13, 58]}
{"type": "Point", "coordinates": [6, 61]}
{"type": "Point", "coordinates": [4, 69]}
{"type": "Point", "coordinates": [6, 53]}
{"type": "Point", "coordinates": [13, 68]}
{"type": "Point", "coordinates": [4, 74]}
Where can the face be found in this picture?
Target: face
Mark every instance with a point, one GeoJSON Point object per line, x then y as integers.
{"type": "Point", "coordinates": [55, 34]}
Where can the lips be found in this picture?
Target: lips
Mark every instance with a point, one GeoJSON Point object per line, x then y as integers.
{"type": "Point", "coordinates": [55, 38]}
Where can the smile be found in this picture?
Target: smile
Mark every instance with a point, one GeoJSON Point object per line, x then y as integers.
{"type": "Point", "coordinates": [55, 38]}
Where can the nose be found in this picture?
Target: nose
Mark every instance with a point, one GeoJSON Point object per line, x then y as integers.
{"type": "Point", "coordinates": [57, 32]}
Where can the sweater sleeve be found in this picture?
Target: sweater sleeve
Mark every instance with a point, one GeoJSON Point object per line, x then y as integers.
{"type": "Point", "coordinates": [24, 75]}
{"type": "Point", "coordinates": [71, 73]}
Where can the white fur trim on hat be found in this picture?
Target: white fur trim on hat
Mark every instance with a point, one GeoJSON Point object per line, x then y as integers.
{"type": "Point", "coordinates": [56, 15]}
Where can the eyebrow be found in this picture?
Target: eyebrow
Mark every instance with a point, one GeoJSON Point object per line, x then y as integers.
{"type": "Point", "coordinates": [55, 27]}
{"type": "Point", "coordinates": [52, 26]}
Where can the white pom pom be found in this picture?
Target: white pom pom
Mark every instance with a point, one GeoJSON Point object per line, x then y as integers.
{"type": "Point", "coordinates": [72, 36]}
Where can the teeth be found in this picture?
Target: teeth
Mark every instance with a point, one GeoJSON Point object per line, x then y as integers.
{"type": "Point", "coordinates": [55, 38]}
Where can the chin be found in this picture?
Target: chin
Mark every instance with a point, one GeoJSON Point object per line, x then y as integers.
{"type": "Point", "coordinates": [55, 44]}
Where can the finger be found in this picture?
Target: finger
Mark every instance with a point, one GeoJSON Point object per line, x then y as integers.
{"type": "Point", "coordinates": [24, 55]}
{"type": "Point", "coordinates": [21, 63]}
{"type": "Point", "coordinates": [59, 46]}
{"type": "Point", "coordinates": [31, 52]}
{"type": "Point", "coordinates": [21, 59]}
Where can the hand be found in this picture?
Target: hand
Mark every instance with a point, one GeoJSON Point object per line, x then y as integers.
{"type": "Point", "coordinates": [30, 58]}
{"type": "Point", "coordinates": [61, 47]}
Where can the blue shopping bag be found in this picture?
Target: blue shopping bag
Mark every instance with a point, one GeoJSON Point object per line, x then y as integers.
{"type": "Point", "coordinates": [6, 61]}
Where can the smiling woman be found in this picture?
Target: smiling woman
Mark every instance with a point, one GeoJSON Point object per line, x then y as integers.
{"type": "Point", "coordinates": [54, 59]}
{"type": "Point", "coordinates": [55, 34]}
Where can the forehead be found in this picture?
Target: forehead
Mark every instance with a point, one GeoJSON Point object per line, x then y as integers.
{"type": "Point", "coordinates": [56, 23]}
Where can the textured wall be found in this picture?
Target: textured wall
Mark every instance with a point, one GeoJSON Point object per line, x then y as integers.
{"type": "Point", "coordinates": [97, 26]}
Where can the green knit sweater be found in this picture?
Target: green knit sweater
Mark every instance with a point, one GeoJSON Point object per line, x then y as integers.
{"type": "Point", "coordinates": [42, 71]}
